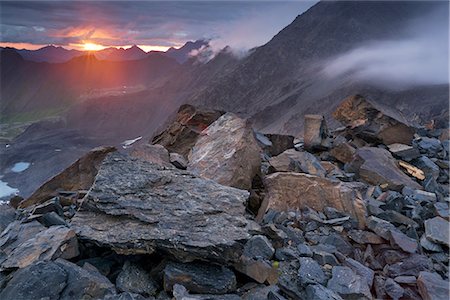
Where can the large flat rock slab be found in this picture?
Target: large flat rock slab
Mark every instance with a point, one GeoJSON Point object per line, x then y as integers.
{"type": "Point", "coordinates": [137, 207]}
{"type": "Point", "coordinates": [291, 191]}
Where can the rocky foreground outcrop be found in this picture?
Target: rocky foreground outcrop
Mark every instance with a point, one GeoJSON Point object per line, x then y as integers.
{"type": "Point", "coordinates": [338, 215]}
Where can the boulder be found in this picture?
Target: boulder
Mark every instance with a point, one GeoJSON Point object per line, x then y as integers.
{"type": "Point", "coordinates": [316, 135]}
{"type": "Point", "coordinates": [136, 207]}
{"type": "Point", "coordinates": [286, 191]}
{"type": "Point", "coordinates": [78, 176]}
{"type": "Point", "coordinates": [227, 153]}
{"type": "Point", "coordinates": [153, 153]}
{"type": "Point", "coordinates": [432, 286]}
{"type": "Point", "coordinates": [377, 166]}
{"type": "Point", "coordinates": [49, 244]}
{"type": "Point", "coordinates": [297, 161]}
{"type": "Point", "coordinates": [182, 134]}
{"type": "Point", "coordinates": [17, 233]}
{"type": "Point", "coordinates": [134, 279]}
{"type": "Point", "coordinates": [372, 122]}
{"type": "Point", "coordinates": [199, 277]}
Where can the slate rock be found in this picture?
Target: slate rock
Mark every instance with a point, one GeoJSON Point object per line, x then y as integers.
{"type": "Point", "coordinates": [52, 205]}
{"type": "Point", "coordinates": [424, 163]}
{"type": "Point", "coordinates": [181, 293]}
{"type": "Point", "coordinates": [393, 289]}
{"type": "Point", "coordinates": [41, 280]}
{"type": "Point", "coordinates": [410, 266]}
{"type": "Point", "coordinates": [432, 286]}
{"type": "Point", "coordinates": [402, 241]}
{"type": "Point", "coordinates": [78, 176]}
{"type": "Point", "coordinates": [227, 153]}
{"type": "Point", "coordinates": [380, 227]}
{"type": "Point", "coordinates": [310, 272]}
{"type": "Point", "coordinates": [361, 270]}
{"type": "Point", "coordinates": [292, 191]}
{"type": "Point", "coordinates": [376, 166]}
{"type": "Point", "coordinates": [199, 277]}
{"type": "Point", "coordinates": [404, 152]}
{"type": "Point", "coordinates": [135, 279]}
{"type": "Point", "coordinates": [319, 292]}
{"type": "Point", "coordinates": [280, 143]}
{"type": "Point", "coordinates": [373, 122]}
{"type": "Point", "coordinates": [49, 244]}
{"type": "Point", "coordinates": [297, 161]}
{"type": "Point", "coordinates": [257, 269]}
{"type": "Point", "coordinates": [437, 230]}
{"type": "Point", "coordinates": [365, 237]}
{"type": "Point", "coordinates": [258, 247]}
{"type": "Point", "coordinates": [7, 216]}
{"type": "Point", "coordinates": [315, 134]}
{"type": "Point", "coordinates": [152, 153]}
{"type": "Point", "coordinates": [181, 135]}
{"type": "Point", "coordinates": [304, 250]}
{"type": "Point", "coordinates": [423, 196]}
{"type": "Point", "coordinates": [136, 207]}
{"type": "Point", "coordinates": [348, 284]}
{"type": "Point", "coordinates": [288, 279]}
{"type": "Point", "coordinates": [51, 219]}
{"type": "Point", "coordinates": [343, 152]}
{"type": "Point", "coordinates": [84, 284]}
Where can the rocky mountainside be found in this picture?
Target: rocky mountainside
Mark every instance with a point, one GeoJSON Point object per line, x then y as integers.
{"type": "Point", "coordinates": [280, 82]}
{"type": "Point", "coordinates": [358, 213]}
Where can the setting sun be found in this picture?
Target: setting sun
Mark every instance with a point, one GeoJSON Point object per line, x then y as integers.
{"type": "Point", "coordinates": [92, 47]}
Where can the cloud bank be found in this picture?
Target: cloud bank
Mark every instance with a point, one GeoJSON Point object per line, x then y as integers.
{"type": "Point", "coordinates": [419, 57]}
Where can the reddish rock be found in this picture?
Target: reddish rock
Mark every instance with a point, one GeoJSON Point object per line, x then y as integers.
{"type": "Point", "coordinates": [291, 191]}
{"type": "Point", "coordinates": [181, 135]}
{"type": "Point", "coordinates": [373, 122]}
{"type": "Point", "coordinates": [78, 176]}
{"type": "Point", "coordinates": [153, 153]}
{"type": "Point", "coordinates": [316, 135]}
{"type": "Point", "coordinates": [227, 153]}
{"type": "Point", "coordinates": [343, 152]}
{"type": "Point", "coordinates": [297, 161]}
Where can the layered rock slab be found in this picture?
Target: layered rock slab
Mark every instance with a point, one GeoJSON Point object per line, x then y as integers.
{"type": "Point", "coordinates": [227, 152]}
{"type": "Point", "coordinates": [138, 207]}
{"type": "Point", "coordinates": [291, 191]}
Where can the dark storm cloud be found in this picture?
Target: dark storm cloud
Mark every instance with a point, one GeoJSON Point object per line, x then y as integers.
{"type": "Point", "coordinates": [140, 22]}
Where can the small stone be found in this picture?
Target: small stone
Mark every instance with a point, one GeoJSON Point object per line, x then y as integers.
{"type": "Point", "coordinates": [437, 230]}
{"type": "Point", "coordinates": [410, 266]}
{"type": "Point", "coordinates": [403, 242]}
{"type": "Point", "coordinates": [304, 250]}
{"type": "Point", "coordinates": [403, 151]}
{"type": "Point", "coordinates": [258, 247]}
{"type": "Point", "coordinates": [429, 245]}
{"type": "Point", "coordinates": [259, 270]}
{"type": "Point", "coordinates": [52, 205]}
{"type": "Point", "coordinates": [178, 161]}
{"type": "Point", "coordinates": [361, 270]}
{"type": "Point", "coordinates": [406, 279]}
{"type": "Point", "coordinates": [393, 289]}
{"type": "Point", "coordinates": [310, 272]}
{"type": "Point", "coordinates": [427, 166]}
{"type": "Point", "coordinates": [380, 227]}
{"type": "Point", "coordinates": [199, 277]}
{"type": "Point", "coordinates": [432, 286]}
{"type": "Point", "coordinates": [348, 284]}
{"type": "Point", "coordinates": [343, 152]}
{"type": "Point", "coordinates": [135, 279]}
{"type": "Point", "coordinates": [51, 219]}
{"type": "Point", "coordinates": [365, 237]}
{"type": "Point", "coordinates": [319, 292]}
{"type": "Point", "coordinates": [424, 196]}
{"type": "Point", "coordinates": [397, 218]}
{"type": "Point", "coordinates": [442, 209]}
{"type": "Point", "coordinates": [323, 258]}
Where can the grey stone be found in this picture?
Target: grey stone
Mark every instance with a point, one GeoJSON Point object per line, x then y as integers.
{"type": "Point", "coordinates": [7, 216]}
{"type": "Point", "coordinates": [403, 242]}
{"type": "Point", "coordinates": [292, 160]}
{"type": "Point", "coordinates": [181, 293]}
{"type": "Point", "coordinates": [258, 247]}
{"type": "Point", "coordinates": [319, 292]}
{"type": "Point", "coordinates": [137, 207]}
{"type": "Point", "coordinates": [437, 230]}
{"type": "Point", "coordinates": [288, 279]}
{"type": "Point", "coordinates": [410, 266]}
{"type": "Point", "coordinates": [227, 153]}
{"type": "Point", "coordinates": [424, 196]}
{"type": "Point", "coordinates": [310, 272]}
{"type": "Point", "coordinates": [348, 284]}
{"type": "Point", "coordinates": [152, 153]}
{"type": "Point", "coordinates": [427, 166]}
{"type": "Point", "coordinates": [397, 218]}
{"type": "Point", "coordinates": [393, 289]}
{"type": "Point", "coordinates": [304, 250]}
{"type": "Point", "coordinates": [199, 277]}
{"type": "Point", "coordinates": [280, 143]}
{"type": "Point", "coordinates": [442, 209]}
{"type": "Point", "coordinates": [365, 237]}
{"type": "Point", "coordinates": [406, 279]}
{"type": "Point", "coordinates": [49, 244]}
{"type": "Point", "coordinates": [361, 270]}
{"type": "Point", "coordinates": [259, 270]}
{"type": "Point", "coordinates": [403, 151]}
{"type": "Point", "coordinates": [432, 286]}
{"type": "Point", "coordinates": [52, 205]}
{"type": "Point", "coordinates": [429, 146]}
{"type": "Point", "coordinates": [41, 280]}
{"type": "Point", "coordinates": [51, 219]}
{"type": "Point", "coordinates": [429, 245]}
{"type": "Point", "coordinates": [135, 279]}
{"type": "Point", "coordinates": [126, 296]}
{"type": "Point", "coordinates": [380, 227]}
{"type": "Point", "coordinates": [323, 257]}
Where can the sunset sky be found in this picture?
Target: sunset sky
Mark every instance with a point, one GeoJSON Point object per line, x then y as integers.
{"type": "Point", "coordinates": [152, 25]}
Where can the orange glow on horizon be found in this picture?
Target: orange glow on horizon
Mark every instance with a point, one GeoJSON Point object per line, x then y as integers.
{"type": "Point", "coordinates": [92, 47]}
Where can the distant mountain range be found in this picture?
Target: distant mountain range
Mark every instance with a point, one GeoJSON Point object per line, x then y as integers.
{"type": "Point", "coordinates": [57, 54]}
